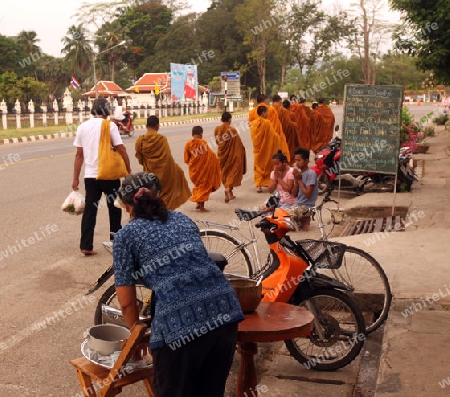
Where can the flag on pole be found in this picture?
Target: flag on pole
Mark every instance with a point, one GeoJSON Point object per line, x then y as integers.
{"type": "Point", "coordinates": [156, 89]}
{"type": "Point", "coordinates": [74, 83]}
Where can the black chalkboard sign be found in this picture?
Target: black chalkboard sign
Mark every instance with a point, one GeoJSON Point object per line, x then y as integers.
{"type": "Point", "coordinates": [371, 128]}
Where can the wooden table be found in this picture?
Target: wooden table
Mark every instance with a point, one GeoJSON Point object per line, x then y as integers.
{"type": "Point", "coordinates": [271, 322]}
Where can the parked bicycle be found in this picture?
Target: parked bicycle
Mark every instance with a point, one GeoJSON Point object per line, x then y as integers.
{"type": "Point", "coordinates": [366, 280]}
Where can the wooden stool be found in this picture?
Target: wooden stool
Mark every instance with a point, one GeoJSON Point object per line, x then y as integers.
{"type": "Point", "coordinates": [111, 381]}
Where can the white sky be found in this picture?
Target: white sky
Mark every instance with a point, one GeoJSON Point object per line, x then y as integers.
{"type": "Point", "coordinates": [50, 19]}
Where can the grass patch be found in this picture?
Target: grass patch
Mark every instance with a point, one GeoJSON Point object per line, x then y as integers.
{"type": "Point", "coordinates": [56, 129]}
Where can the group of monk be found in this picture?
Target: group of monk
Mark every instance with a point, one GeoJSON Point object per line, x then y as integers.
{"type": "Point", "coordinates": [207, 170]}
{"type": "Point", "coordinates": [286, 125]}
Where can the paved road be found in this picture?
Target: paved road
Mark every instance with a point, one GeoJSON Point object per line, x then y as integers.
{"type": "Point", "coordinates": [43, 274]}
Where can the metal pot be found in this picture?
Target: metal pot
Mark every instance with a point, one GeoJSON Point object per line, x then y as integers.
{"type": "Point", "coordinates": [105, 339]}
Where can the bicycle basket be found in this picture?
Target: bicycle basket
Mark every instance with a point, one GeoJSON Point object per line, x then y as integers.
{"type": "Point", "coordinates": [324, 254]}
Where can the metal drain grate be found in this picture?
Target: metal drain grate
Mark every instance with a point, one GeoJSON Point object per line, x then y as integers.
{"type": "Point", "coordinates": [378, 225]}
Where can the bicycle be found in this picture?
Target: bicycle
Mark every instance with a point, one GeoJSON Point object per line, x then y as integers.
{"type": "Point", "coordinates": [366, 279]}
{"type": "Point", "coordinates": [369, 285]}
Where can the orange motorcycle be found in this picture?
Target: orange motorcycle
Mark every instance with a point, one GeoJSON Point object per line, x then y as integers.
{"type": "Point", "coordinates": [292, 276]}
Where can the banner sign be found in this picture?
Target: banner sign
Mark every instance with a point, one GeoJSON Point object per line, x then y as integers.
{"type": "Point", "coordinates": [183, 82]}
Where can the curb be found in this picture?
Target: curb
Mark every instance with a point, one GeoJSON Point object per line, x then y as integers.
{"type": "Point", "coordinates": [61, 135]}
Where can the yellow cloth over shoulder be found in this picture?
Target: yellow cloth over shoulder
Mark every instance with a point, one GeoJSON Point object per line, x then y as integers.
{"type": "Point", "coordinates": [154, 154]}
{"type": "Point", "coordinates": [204, 169]}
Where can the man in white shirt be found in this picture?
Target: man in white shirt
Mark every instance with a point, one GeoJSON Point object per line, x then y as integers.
{"type": "Point", "coordinates": [87, 142]}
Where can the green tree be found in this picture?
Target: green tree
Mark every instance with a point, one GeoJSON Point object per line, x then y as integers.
{"type": "Point", "coordinates": [428, 36]}
{"type": "Point", "coordinates": [311, 33]}
{"type": "Point", "coordinates": [12, 88]}
{"type": "Point", "coordinates": [177, 46]}
{"type": "Point", "coordinates": [108, 36]}
{"type": "Point", "coordinates": [55, 74]}
{"type": "Point", "coordinates": [28, 40]}
{"type": "Point", "coordinates": [220, 45]}
{"type": "Point", "coordinates": [258, 27]}
{"type": "Point", "coordinates": [77, 48]}
{"type": "Point", "coordinates": [12, 56]}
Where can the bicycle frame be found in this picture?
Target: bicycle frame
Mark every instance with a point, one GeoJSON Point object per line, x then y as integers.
{"type": "Point", "coordinates": [242, 244]}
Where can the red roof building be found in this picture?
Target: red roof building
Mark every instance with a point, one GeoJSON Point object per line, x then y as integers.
{"type": "Point", "coordinates": [148, 83]}
{"type": "Point", "coordinates": [106, 89]}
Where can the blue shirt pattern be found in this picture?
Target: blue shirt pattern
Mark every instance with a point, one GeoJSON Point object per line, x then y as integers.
{"type": "Point", "coordinates": [189, 290]}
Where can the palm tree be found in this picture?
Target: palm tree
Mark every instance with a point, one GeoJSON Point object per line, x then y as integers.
{"type": "Point", "coordinates": [28, 40]}
{"type": "Point", "coordinates": [109, 35]}
{"type": "Point", "coordinates": [77, 48]}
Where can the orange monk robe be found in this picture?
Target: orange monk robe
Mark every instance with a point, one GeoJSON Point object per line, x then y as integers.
{"type": "Point", "coordinates": [307, 110]}
{"type": "Point", "coordinates": [304, 126]}
{"type": "Point", "coordinates": [231, 155]}
{"type": "Point", "coordinates": [319, 131]}
{"type": "Point", "coordinates": [204, 169]}
{"type": "Point", "coordinates": [153, 153]}
{"type": "Point", "coordinates": [329, 119]}
{"type": "Point", "coordinates": [266, 142]}
{"type": "Point", "coordinates": [290, 129]}
{"type": "Point", "coordinates": [273, 118]}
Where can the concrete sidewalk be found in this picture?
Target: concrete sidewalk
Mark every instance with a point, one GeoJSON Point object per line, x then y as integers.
{"type": "Point", "coordinates": [416, 340]}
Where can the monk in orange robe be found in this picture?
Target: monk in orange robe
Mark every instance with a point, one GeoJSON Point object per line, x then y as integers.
{"type": "Point", "coordinates": [204, 168]}
{"type": "Point", "coordinates": [231, 155]}
{"type": "Point", "coordinates": [154, 154]}
{"type": "Point", "coordinates": [290, 127]}
{"type": "Point", "coordinates": [319, 129]}
{"type": "Point", "coordinates": [266, 142]}
{"type": "Point", "coordinates": [273, 118]}
{"type": "Point", "coordinates": [328, 117]}
{"type": "Point", "coordinates": [303, 123]}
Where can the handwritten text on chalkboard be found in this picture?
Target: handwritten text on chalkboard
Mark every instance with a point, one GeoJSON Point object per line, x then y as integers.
{"type": "Point", "coordinates": [371, 128]}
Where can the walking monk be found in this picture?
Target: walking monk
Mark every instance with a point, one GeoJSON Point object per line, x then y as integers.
{"type": "Point", "coordinates": [290, 127]}
{"type": "Point", "coordinates": [204, 168]}
{"type": "Point", "coordinates": [266, 142]}
{"type": "Point", "coordinates": [273, 118]}
{"type": "Point", "coordinates": [153, 152]}
{"type": "Point", "coordinates": [328, 118]}
{"type": "Point", "coordinates": [231, 154]}
{"type": "Point", "coordinates": [319, 129]}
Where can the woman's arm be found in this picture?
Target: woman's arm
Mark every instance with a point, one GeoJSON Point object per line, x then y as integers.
{"type": "Point", "coordinates": [128, 303]}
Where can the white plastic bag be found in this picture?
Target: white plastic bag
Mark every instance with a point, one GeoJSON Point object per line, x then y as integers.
{"type": "Point", "coordinates": [74, 203]}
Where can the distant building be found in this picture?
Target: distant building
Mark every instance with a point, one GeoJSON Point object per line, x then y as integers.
{"type": "Point", "coordinates": [152, 82]}
{"type": "Point", "coordinates": [106, 89]}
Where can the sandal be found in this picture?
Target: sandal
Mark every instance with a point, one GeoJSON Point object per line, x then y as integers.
{"type": "Point", "coordinates": [259, 189]}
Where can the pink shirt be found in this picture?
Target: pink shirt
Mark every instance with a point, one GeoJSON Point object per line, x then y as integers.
{"type": "Point", "coordinates": [286, 198]}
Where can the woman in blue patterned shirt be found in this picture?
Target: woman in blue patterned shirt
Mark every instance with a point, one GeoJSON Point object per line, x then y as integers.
{"type": "Point", "coordinates": [195, 310]}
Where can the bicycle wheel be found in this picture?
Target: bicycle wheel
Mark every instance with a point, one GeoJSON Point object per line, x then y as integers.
{"type": "Point", "coordinates": [238, 259]}
{"type": "Point", "coordinates": [109, 298]}
{"type": "Point", "coordinates": [368, 283]}
{"type": "Point", "coordinates": [338, 335]}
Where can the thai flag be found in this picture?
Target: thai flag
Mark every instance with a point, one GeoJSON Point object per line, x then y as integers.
{"type": "Point", "coordinates": [74, 83]}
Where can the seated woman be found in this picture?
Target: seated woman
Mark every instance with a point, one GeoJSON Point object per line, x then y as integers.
{"type": "Point", "coordinates": [282, 180]}
{"type": "Point", "coordinates": [195, 311]}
